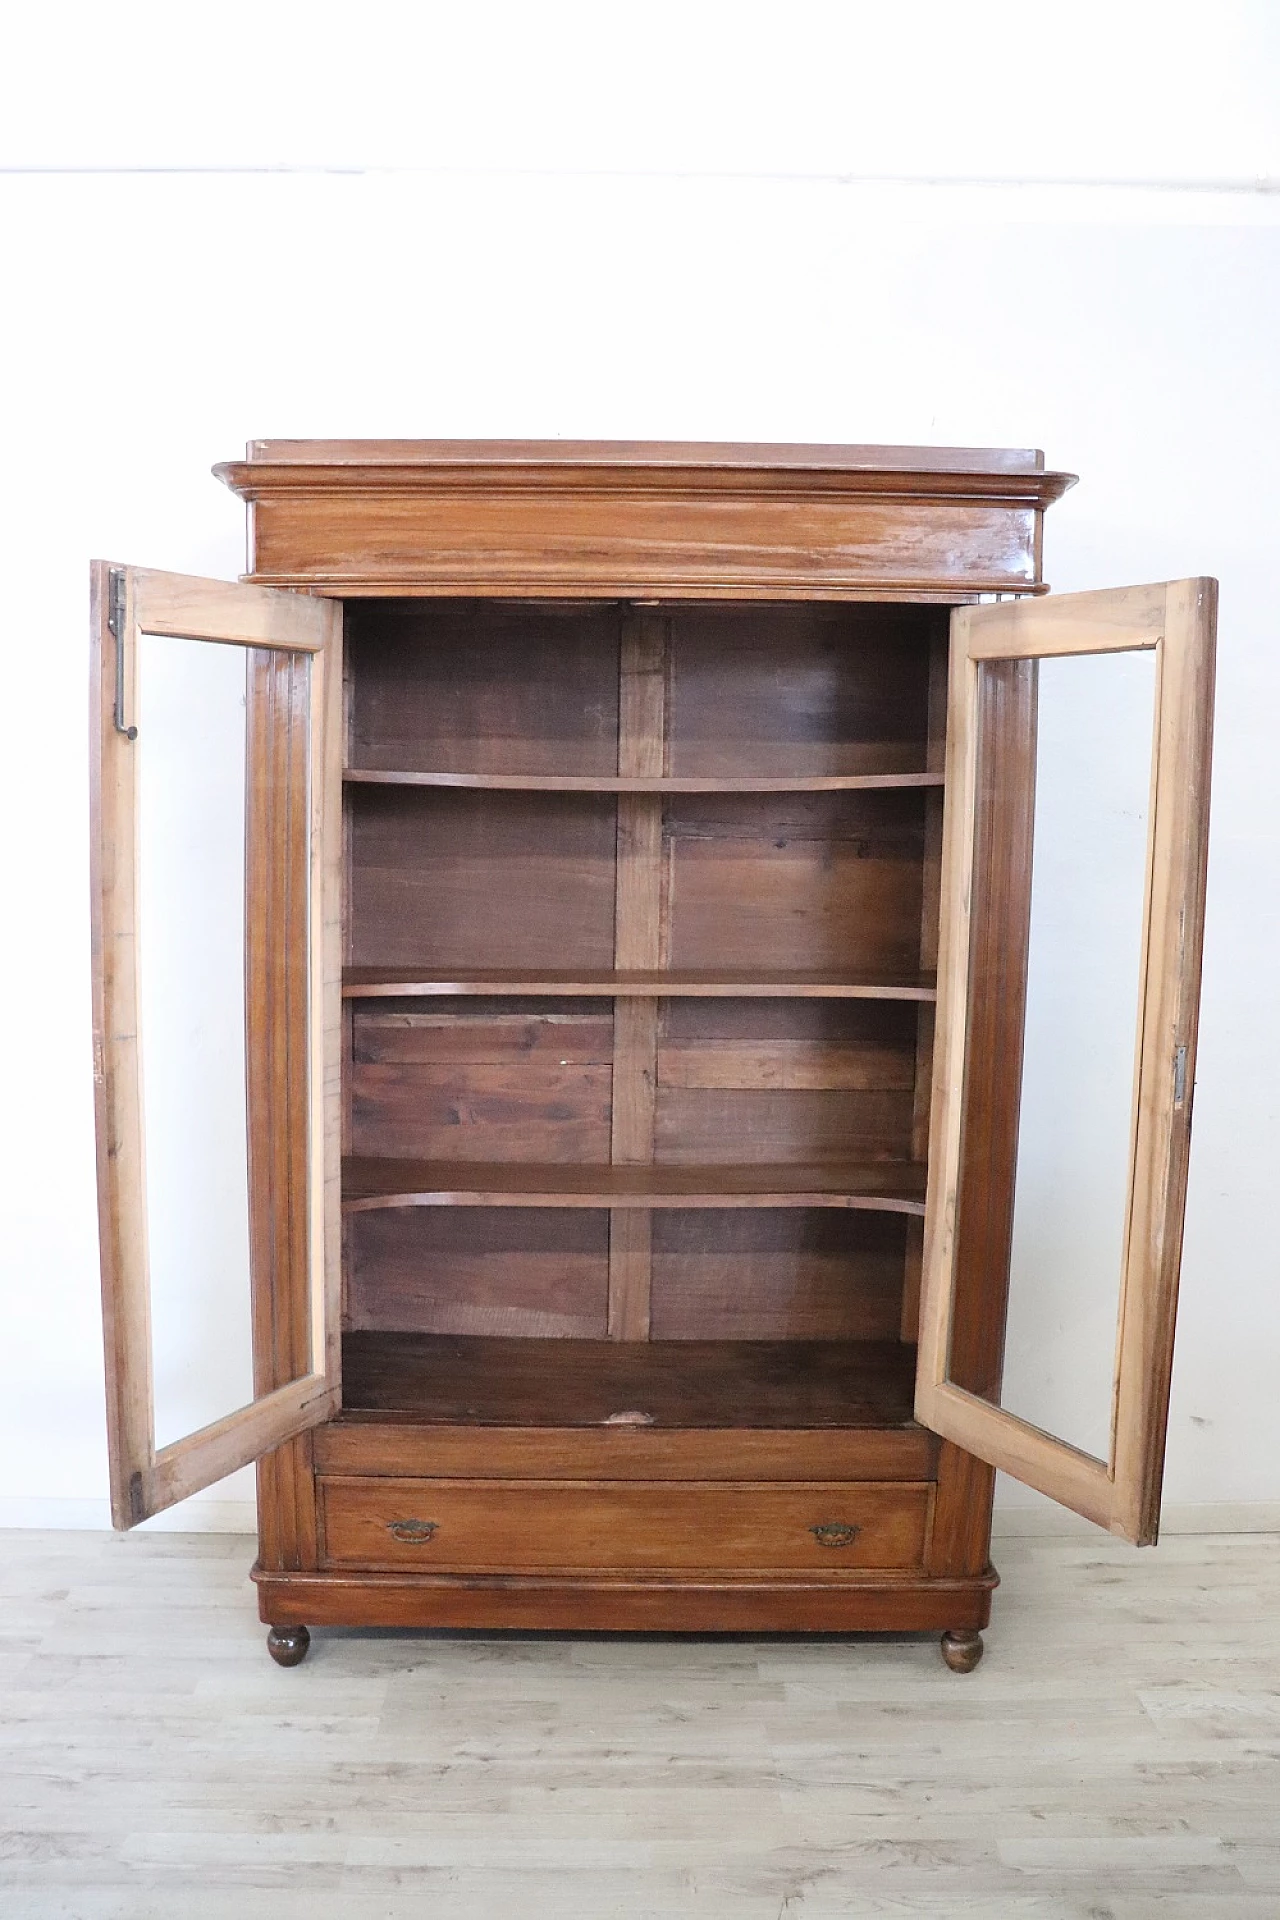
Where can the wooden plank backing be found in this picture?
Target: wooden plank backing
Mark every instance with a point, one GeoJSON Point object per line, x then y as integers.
{"type": "Point", "coordinates": [444, 879]}
{"type": "Point", "coordinates": [538, 1272]}
{"type": "Point", "coordinates": [788, 1274]}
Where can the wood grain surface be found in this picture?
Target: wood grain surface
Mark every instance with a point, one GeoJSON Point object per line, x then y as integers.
{"type": "Point", "coordinates": [292, 992]}
{"type": "Point", "coordinates": [735, 1384]}
{"type": "Point", "coordinates": [991, 779]}
{"type": "Point", "coordinates": [532, 1526]}
{"type": "Point", "coordinates": [886, 1186]}
{"type": "Point", "coordinates": [598, 520]}
{"type": "Point", "coordinates": [784, 983]}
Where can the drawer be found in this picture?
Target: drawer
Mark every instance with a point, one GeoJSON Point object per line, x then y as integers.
{"type": "Point", "coordinates": [522, 1526]}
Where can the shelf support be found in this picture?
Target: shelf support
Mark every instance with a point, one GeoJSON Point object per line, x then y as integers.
{"type": "Point", "coordinates": [640, 917]}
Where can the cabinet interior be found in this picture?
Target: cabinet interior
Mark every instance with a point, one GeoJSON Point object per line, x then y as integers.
{"type": "Point", "coordinates": [641, 933]}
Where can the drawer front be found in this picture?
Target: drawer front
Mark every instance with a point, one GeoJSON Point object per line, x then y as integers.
{"type": "Point", "coordinates": [521, 1526]}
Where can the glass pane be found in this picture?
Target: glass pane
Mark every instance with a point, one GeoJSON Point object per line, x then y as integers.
{"type": "Point", "coordinates": [1094, 731]}
{"type": "Point", "coordinates": [192, 882]}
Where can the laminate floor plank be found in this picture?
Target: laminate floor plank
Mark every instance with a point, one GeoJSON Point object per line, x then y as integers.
{"type": "Point", "coordinates": [1115, 1757]}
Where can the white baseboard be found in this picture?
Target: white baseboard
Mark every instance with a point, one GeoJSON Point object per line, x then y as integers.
{"type": "Point", "coordinates": [192, 1516]}
{"type": "Point", "coordinates": [1054, 1522]}
{"type": "Point", "coordinates": [1011, 1521]}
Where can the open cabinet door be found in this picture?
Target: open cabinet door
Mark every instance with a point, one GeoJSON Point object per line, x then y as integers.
{"type": "Point", "coordinates": [1005, 1066]}
{"type": "Point", "coordinates": [216, 793]}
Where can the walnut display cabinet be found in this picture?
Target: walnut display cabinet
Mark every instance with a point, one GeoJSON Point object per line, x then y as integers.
{"type": "Point", "coordinates": [635, 900]}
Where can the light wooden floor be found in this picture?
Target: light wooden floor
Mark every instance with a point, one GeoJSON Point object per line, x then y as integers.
{"type": "Point", "coordinates": [1117, 1754]}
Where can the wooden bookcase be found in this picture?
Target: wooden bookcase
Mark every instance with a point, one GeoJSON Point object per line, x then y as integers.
{"type": "Point", "coordinates": [638, 859]}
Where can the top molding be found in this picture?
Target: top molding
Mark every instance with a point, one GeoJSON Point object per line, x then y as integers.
{"type": "Point", "coordinates": [649, 519]}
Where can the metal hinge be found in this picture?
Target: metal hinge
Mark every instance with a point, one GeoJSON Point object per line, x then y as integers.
{"type": "Point", "coordinates": [1179, 1076]}
{"type": "Point", "coordinates": [115, 621]}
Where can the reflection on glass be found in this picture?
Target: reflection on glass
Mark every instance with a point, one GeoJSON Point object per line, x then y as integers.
{"type": "Point", "coordinates": [191, 743]}
{"type": "Point", "coordinates": [1093, 777]}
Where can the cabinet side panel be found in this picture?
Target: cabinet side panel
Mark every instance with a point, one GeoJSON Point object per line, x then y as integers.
{"type": "Point", "coordinates": [960, 1533]}
{"type": "Point", "coordinates": [287, 1507]}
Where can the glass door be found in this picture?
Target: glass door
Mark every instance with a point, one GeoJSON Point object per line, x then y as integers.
{"type": "Point", "coordinates": [1072, 907]}
{"type": "Point", "coordinates": [216, 813]}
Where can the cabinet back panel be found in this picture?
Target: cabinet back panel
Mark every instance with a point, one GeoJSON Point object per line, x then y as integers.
{"type": "Point", "coordinates": [695, 1126]}
{"type": "Point", "coordinates": [782, 691]}
{"type": "Point", "coordinates": [441, 877]}
{"type": "Point", "coordinates": [460, 1079]}
{"type": "Point", "coordinates": [750, 1081]}
{"type": "Point", "coordinates": [531, 1271]}
{"type": "Point", "coordinates": [777, 1275]}
{"type": "Point", "coordinates": [803, 880]}
{"type": "Point", "coordinates": [457, 686]}
{"type": "Point", "coordinates": [535, 1272]}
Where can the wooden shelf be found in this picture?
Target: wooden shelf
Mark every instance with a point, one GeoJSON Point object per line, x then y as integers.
{"type": "Point", "coordinates": [372, 983]}
{"type": "Point", "coordinates": [654, 783]}
{"type": "Point", "coordinates": [447, 1380]}
{"type": "Point", "coordinates": [886, 1187]}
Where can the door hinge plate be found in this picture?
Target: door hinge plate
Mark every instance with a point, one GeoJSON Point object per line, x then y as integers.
{"type": "Point", "coordinates": [116, 592]}
{"type": "Point", "coordinates": [115, 601]}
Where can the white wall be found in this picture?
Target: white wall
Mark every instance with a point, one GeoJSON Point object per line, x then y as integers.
{"type": "Point", "coordinates": [151, 323]}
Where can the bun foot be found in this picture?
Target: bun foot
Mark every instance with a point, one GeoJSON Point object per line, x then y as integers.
{"type": "Point", "coordinates": [963, 1650]}
{"type": "Point", "coordinates": [288, 1645]}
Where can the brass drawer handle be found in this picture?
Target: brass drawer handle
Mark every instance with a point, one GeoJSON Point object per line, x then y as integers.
{"type": "Point", "coordinates": [414, 1533]}
{"type": "Point", "coordinates": [835, 1533]}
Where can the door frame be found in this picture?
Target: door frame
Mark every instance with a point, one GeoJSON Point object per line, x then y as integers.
{"type": "Point", "coordinates": [1177, 621]}
{"type": "Point", "coordinates": [292, 1390]}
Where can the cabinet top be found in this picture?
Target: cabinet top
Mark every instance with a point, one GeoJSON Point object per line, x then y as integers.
{"type": "Point", "coordinates": [661, 518]}
{"type": "Point", "coordinates": [626, 457]}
